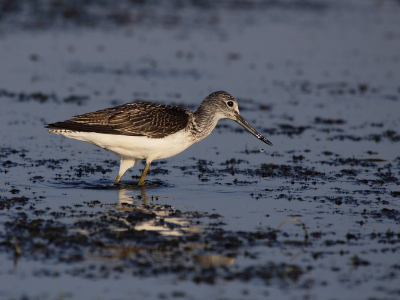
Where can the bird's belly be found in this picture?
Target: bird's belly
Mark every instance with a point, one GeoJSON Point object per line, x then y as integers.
{"type": "Point", "coordinates": [136, 147]}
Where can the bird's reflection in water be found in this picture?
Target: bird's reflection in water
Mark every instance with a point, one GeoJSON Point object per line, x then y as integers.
{"type": "Point", "coordinates": [213, 260]}
{"type": "Point", "coordinates": [168, 222]}
{"type": "Point", "coordinates": [124, 198]}
{"type": "Point", "coordinates": [166, 219]}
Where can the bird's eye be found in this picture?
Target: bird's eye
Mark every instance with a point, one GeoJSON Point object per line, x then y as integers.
{"type": "Point", "coordinates": [230, 103]}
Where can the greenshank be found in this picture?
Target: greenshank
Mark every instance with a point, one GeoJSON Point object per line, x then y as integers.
{"type": "Point", "coordinates": [145, 130]}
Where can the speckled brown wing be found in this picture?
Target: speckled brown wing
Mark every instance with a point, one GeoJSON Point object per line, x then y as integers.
{"type": "Point", "coordinates": [134, 119]}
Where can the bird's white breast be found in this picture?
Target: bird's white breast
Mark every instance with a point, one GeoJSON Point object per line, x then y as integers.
{"type": "Point", "coordinates": [136, 147]}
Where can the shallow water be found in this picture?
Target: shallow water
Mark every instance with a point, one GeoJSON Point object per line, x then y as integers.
{"type": "Point", "coordinates": [316, 216]}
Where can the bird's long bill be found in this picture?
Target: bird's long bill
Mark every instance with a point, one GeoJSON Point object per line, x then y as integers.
{"type": "Point", "coordinates": [249, 128]}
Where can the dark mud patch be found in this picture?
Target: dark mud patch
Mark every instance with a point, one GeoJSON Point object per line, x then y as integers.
{"type": "Point", "coordinates": [18, 202]}
{"type": "Point", "coordinates": [144, 72]}
{"type": "Point", "coordinates": [96, 240]}
{"type": "Point", "coordinates": [44, 98]}
{"type": "Point", "coordinates": [191, 245]}
{"type": "Point", "coordinates": [342, 89]}
{"type": "Point", "coordinates": [390, 135]}
{"type": "Point", "coordinates": [171, 14]}
{"type": "Point", "coordinates": [206, 171]}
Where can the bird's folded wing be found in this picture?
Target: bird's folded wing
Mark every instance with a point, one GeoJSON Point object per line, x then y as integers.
{"type": "Point", "coordinates": [134, 119]}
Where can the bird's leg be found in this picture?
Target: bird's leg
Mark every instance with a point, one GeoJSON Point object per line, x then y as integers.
{"type": "Point", "coordinates": [146, 168]}
{"type": "Point", "coordinates": [126, 163]}
{"type": "Point", "coordinates": [118, 178]}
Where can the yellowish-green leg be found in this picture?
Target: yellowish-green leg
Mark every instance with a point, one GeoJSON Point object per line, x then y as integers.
{"type": "Point", "coordinates": [146, 168]}
{"type": "Point", "coordinates": [118, 179]}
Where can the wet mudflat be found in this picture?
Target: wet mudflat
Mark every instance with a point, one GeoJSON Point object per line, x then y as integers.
{"type": "Point", "coordinates": [316, 216]}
